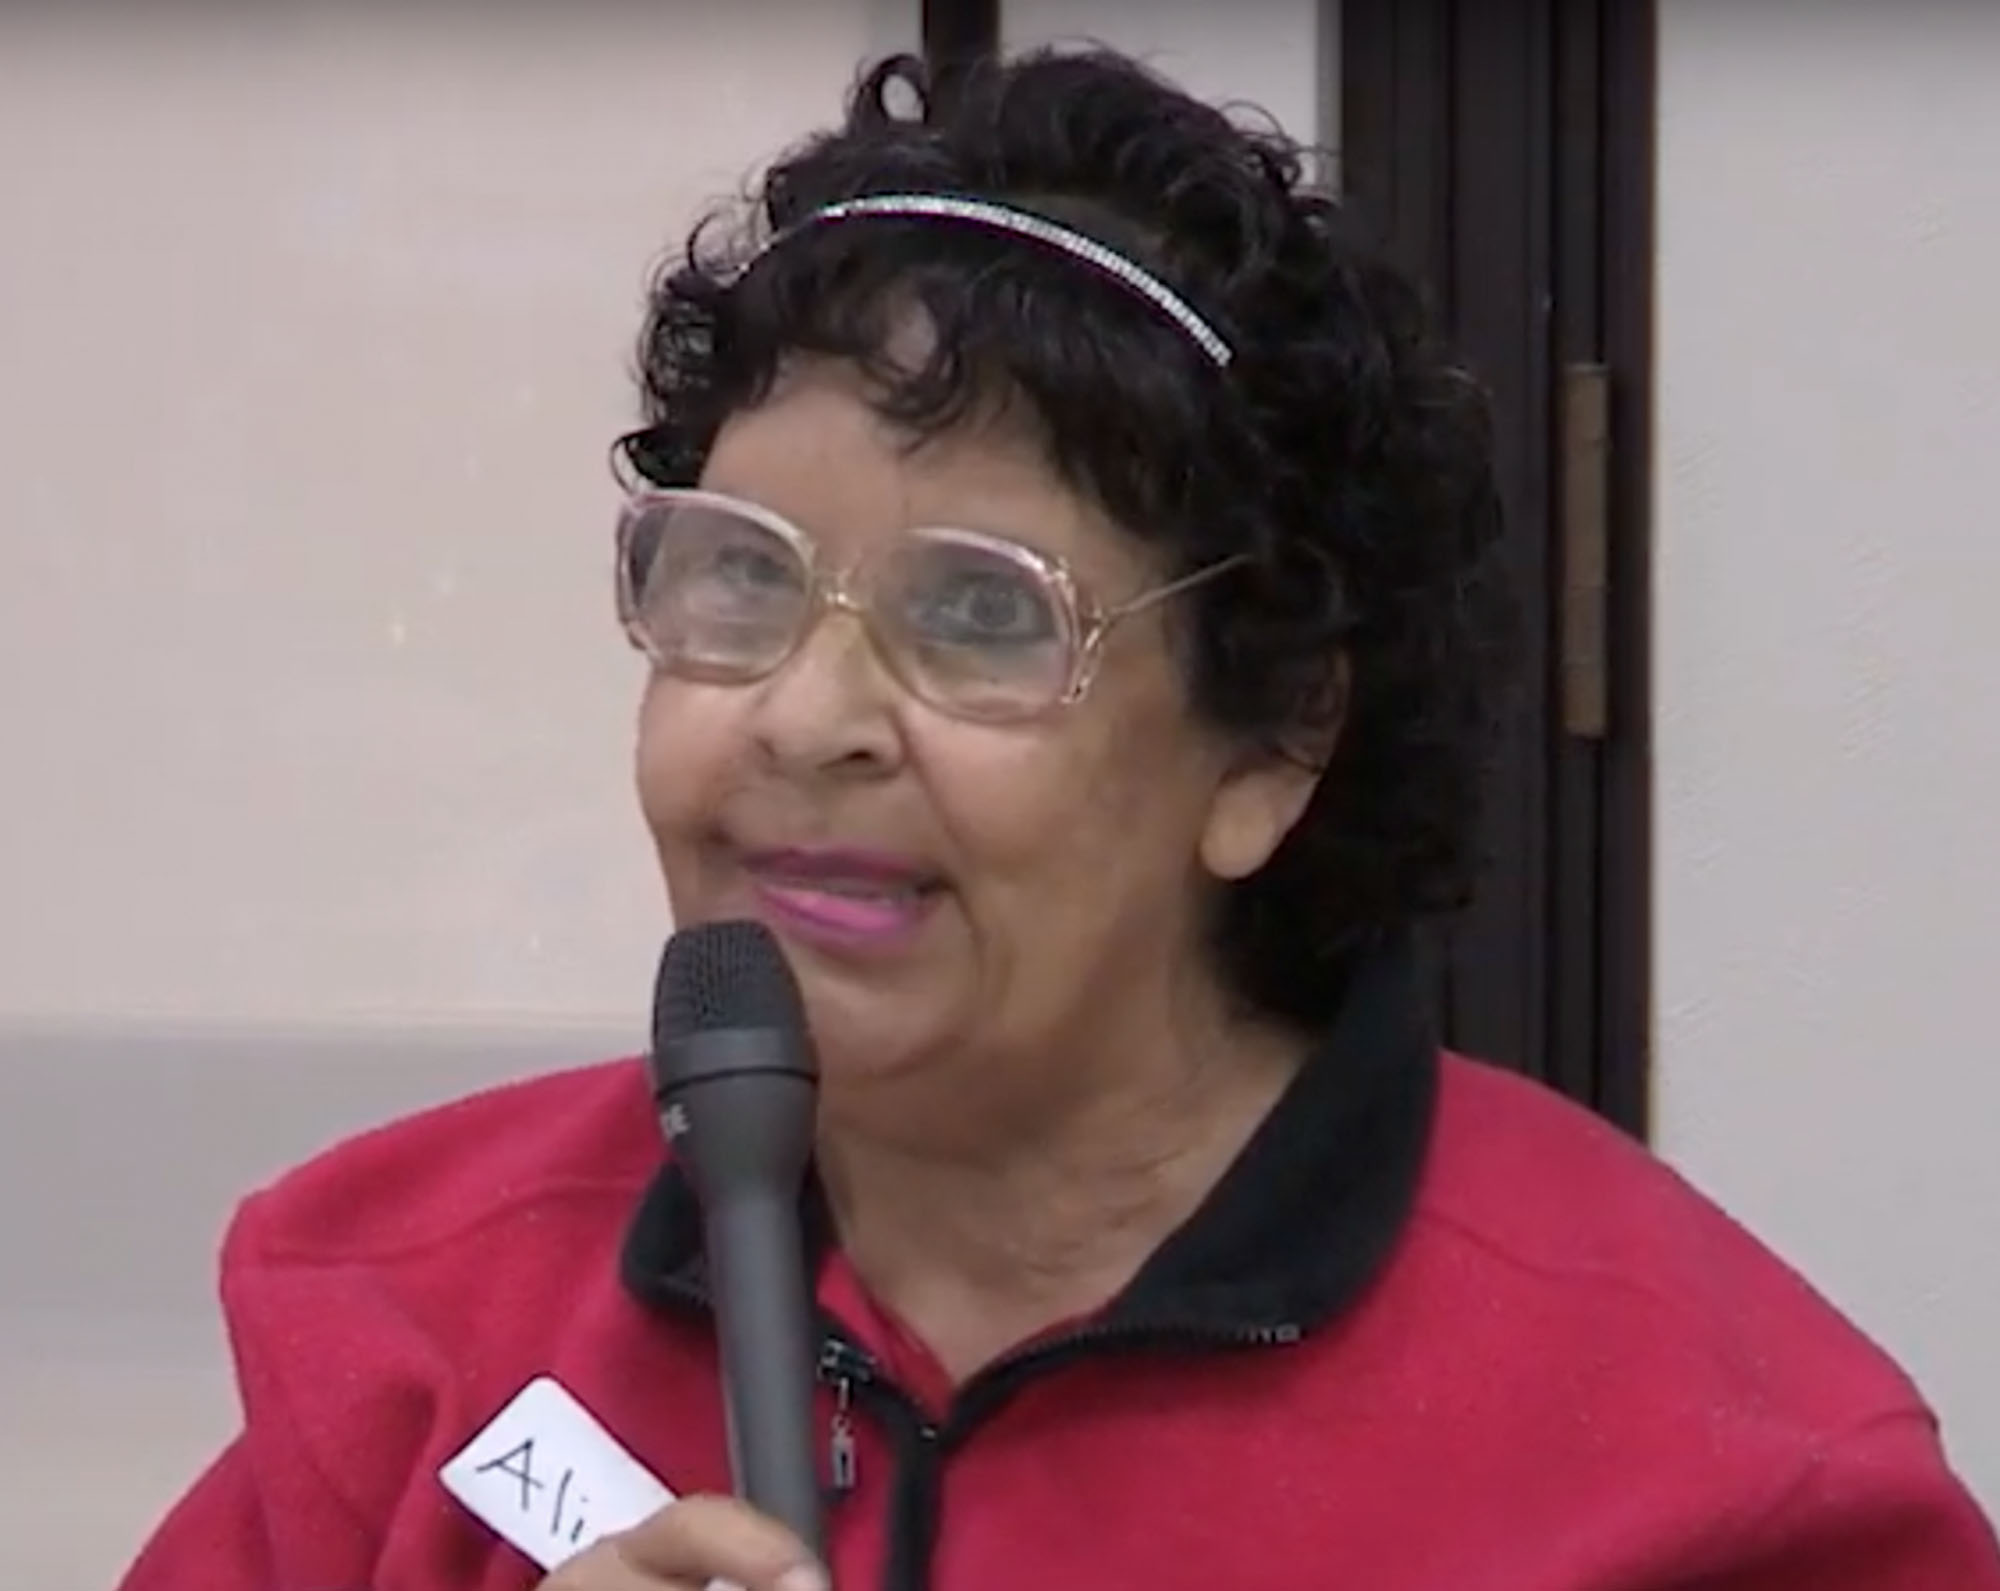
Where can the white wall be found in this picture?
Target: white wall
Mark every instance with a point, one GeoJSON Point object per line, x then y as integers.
{"type": "Point", "coordinates": [314, 725]}
{"type": "Point", "coordinates": [313, 333]}
{"type": "Point", "coordinates": [1828, 674]}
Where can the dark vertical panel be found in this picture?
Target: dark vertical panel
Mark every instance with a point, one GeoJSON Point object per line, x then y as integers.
{"type": "Point", "coordinates": [1576, 338]}
{"type": "Point", "coordinates": [1499, 243]}
{"type": "Point", "coordinates": [1393, 109]}
{"type": "Point", "coordinates": [1445, 132]}
{"type": "Point", "coordinates": [1627, 55]}
{"type": "Point", "coordinates": [1503, 147]}
{"type": "Point", "coordinates": [958, 34]}
{"type": "Point", "coordinates": [1395, 125]}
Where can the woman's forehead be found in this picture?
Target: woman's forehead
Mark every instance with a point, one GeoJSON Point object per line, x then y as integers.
{"type": "Point", "coordinates": [818, 452]}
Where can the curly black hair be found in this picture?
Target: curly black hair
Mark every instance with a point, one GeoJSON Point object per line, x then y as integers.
{"type": "Point", "coordinates": [1343, 449]}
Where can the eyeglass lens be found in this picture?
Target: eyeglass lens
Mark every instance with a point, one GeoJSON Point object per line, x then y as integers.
{"type": "Point", "coordinates": [974, 630]}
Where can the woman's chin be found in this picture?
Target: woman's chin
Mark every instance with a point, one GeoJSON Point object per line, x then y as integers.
{"type": "Point", "coordinates": [860, 1064]}
{"type": "Point", "coordinates": [883, 1075]}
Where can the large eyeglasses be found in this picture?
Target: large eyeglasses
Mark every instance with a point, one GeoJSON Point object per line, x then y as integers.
{"type": "Point", "coordinates": [724, 592]}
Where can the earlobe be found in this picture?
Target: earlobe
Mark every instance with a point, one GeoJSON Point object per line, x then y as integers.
{"type": "Point", "coordinates": [1252, 813]}
{"type": "Point", "coordinates": [1262, 799]}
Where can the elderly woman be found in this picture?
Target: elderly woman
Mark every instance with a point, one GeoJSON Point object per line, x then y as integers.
{"type": "Point", "coordinates": [1065, 560]}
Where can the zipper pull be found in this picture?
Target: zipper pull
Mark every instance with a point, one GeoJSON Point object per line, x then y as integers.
{"type": "Point", "coordinates": [841, 1455]}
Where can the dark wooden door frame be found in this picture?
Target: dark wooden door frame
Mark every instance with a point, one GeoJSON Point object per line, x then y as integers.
{"type": "Point", "coordinates": [957, 33]}
{"type": "Point", "coordinates": [1504, 148]}
{"type": "Point", "coordinates": [1627, 260]}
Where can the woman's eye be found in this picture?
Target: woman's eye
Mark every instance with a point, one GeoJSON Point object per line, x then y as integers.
{"type": "Point", "coordinates": [981, 606]}
{"type": "Point", "coordinates": [734, 581]}
{"type": "Point", "coordinates": [751, 568]}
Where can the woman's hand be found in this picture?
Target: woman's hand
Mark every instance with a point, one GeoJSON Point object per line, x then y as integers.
{"type": "Point", "coordinates": [690, 1543]}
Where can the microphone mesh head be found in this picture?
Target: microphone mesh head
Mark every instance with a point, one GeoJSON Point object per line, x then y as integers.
{"type": "Point", "coordinates": [724, 975]}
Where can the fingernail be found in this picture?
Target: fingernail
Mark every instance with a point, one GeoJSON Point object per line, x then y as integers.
{"type": "Point", "coordinates": [804, 1577]}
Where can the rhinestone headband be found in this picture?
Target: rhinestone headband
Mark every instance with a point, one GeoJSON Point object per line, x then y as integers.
{"type": "Point", "coordinates": [1021, 223]}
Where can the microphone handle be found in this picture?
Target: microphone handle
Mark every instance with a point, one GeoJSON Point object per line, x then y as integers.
{"type": "Point", "coordinates": [768, 1328]}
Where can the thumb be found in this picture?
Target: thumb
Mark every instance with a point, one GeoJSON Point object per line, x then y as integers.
{"type": "Point", "coordinates": [702, 1539]}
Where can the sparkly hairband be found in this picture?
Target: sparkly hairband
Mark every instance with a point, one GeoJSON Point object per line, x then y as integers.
{"type": "Point", "coordinates": [1002, 218]}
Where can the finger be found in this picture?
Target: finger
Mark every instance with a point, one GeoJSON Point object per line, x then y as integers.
{"type": "Point", "coordinates": [720, 1538]}
{"type": "Point", "coordinates": [604, 1568]}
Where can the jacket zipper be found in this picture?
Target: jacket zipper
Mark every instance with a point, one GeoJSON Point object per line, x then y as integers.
{"type": "Point", "coordinates": [841, 1366]}
{"type": "Point", "coordinates": [922, 1444]}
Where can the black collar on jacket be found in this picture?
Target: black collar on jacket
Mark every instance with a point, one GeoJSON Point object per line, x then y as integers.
{"type": "Point", "coordinates": [1292, 1234]}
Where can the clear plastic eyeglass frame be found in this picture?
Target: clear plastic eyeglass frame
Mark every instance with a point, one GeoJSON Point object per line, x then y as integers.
{"type": "Point", "coordinates": [1085, 622]}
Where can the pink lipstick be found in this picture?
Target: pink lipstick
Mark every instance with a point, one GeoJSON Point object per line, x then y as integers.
{"type": "Point", "coordinates": [843, 898]}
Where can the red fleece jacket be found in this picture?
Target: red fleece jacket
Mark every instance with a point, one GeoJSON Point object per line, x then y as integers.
{"type": "Point", "coordinates": [1571, 1373]}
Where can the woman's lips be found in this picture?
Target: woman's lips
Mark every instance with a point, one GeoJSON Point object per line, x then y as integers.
{"type": "Point", "coordinates": [841, 897]}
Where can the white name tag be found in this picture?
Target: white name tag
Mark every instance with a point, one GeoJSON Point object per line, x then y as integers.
{"type": "Point", "coordinates": [548, 1479]}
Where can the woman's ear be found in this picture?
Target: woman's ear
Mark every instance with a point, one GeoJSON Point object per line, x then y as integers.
{"type": "Point", "coordinates": [1318, 734]}
{"type": "Point", "coordinates": [1263, 797]}
{"type": "Point", "coordinates": [1253, 810]}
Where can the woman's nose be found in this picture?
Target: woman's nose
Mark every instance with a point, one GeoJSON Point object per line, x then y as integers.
{"type": "Point", "coordinates": [830, 707]}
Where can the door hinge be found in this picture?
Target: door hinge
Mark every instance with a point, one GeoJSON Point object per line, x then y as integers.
{"type": "Point", "coordinates": [1585, 419]}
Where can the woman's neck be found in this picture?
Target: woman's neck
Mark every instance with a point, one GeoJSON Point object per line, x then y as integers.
{"type": "Point", "coordinates": [979, 1247]}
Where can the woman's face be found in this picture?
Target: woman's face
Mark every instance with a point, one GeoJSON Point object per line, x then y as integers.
{"type": "Point", "coordinates": [947, 891]}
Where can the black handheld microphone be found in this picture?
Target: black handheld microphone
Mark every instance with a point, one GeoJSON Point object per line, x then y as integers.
{"type": "Point", "coordinates": [737, 1087]}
